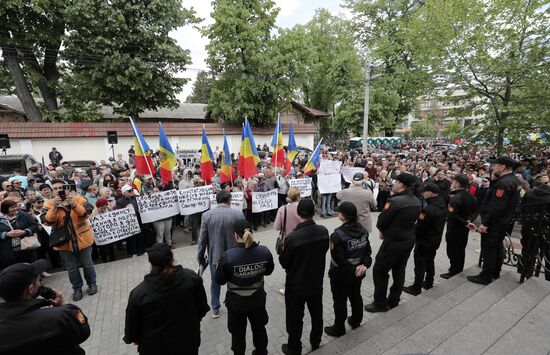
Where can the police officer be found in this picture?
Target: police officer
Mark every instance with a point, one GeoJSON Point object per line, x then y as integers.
{"type": "Point", "coordinates": [243, 269]}
{"type": "Point", "coordinates": [462, 211]}
{"type": "Point", "coordinates": [497, 211]}
{"type": "Point", "coordinates": [351, 257]}
{"type": "Point", "coordinates": [396, 226]}
{"type": "Point", "coordinates": [428, 231]}
{"type": "Point", "coordinates": [37, 325]}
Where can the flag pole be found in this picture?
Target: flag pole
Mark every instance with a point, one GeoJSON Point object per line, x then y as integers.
{"type": "Point", "coordinates": [141, 144]}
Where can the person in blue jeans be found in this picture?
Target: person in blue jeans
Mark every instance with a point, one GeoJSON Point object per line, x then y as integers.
{"type": "Point", "coordinates": [326, 200]}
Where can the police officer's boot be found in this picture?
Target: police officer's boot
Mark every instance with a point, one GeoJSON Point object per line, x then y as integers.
{"type": "Point", "coordinates": [413, 290]}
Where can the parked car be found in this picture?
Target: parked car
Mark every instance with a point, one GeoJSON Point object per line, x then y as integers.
{"type": "Point", "coordinates": [10, 162]}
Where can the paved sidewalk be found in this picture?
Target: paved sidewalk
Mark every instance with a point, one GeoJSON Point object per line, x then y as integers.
{"type": "Point", "coordinates": [106, 310]}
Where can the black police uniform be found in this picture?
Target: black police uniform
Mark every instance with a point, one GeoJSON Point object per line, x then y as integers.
{"type": "Point", "coordinates": [243, 269]}
{"type": "Point", "coordinates": [462, 208]}
{"type": "Point", "coordinates": [396, 223]}
{"type": "Point", "coordinates": [350, 248]}
{"type": "Point", "coordinates": [428, 231]}
{"type": "Point", "coordinates": [498, 209]}
{"type": "Point", "coordinates": [34, 327]}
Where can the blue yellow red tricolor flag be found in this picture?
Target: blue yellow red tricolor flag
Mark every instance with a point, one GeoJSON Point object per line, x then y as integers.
{"type": "Point", "coordinates": [207, 170]}
{"type": "Point", "coordinates": [227, 172]}
{"type": "Point", "coordinates": [313, 162]}
{"type": "Point", "coordinates": [292, 149]}
{"type": "Point", "coordinates": [142, 158]}
{"type": "Point", "coordinates": [249, 153]}
{"type": "Point", "coordinates": [136, 184]}
{"type": "Point", "coordinates": [168, 159]}
{"type": "Point", "coordinates": [240, 162]}
{"type": "Point", "coordinates": [278, 157]}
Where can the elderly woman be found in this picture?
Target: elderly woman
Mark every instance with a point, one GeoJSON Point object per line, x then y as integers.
{"type": "Point", "coordinates": [106, 252]}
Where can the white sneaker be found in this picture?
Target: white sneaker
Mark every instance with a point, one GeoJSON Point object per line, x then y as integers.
{"type": "Point", "coordinates": [282, 291]}
{"type": "Point", "coordinates": [215, 313]}
{"type": "Point", "coordinates": [46, 274]}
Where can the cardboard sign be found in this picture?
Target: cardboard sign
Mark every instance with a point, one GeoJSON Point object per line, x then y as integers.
{"type": "Point", "coordinates": [329, 167]}
{"type": "Point", "coordinates": [264, 201]}
{"type": "Point", "coordinates": [158, 206]}
{"type": "Point", "coordinates": [194, 200]}
{"type": "Point", "coordinates": [237, 201]}
{"type": "Point", "coordinates": [304, 185]}
{"type": "Point", "coordinates": [329, 184]}
{"type": "Point", "coordinates": [115, 225]}
{"type": "Point", "coordinates": [348, 172]}
{"type": "Point", "coordinates": [187, 154]}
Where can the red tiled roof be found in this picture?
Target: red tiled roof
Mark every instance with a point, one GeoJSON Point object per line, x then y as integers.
{"type": "Point", "coordinates": [86, 129]}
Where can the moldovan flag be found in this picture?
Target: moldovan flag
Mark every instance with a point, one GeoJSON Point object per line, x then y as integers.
{"type": "Point", "coordinates": [142, 159]}
{"type": "Point", "coordinates": [249, 153]}
{"type": "Point", "coordinates": [227, 174]}
{"type": "Point", "coordinates": [278, 157]}
{"type": "Point", "coordinates": [136, 184]}
{"type": "Point", "coordinates": [292, 149]}
{"type": "Point", "coordinates": [240, 162]}
{"type": "Point", "coordinates": [313, 162]}
{"type": "Point", "coordinates": [207, 170]}
{"type": "Point", "coordinates": [168, 159]}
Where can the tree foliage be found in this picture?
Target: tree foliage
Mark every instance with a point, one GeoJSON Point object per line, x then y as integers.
{"type": "Point", "coordinates": [452, 130]}
{"type": "Point", "coordinates": [425, 128]}
{"type": "Point", "coordinates": [201, 88]}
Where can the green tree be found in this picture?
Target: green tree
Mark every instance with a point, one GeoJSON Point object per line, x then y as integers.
{"type": "Point", "coordinates": [425, 128]}
{"type": "Point", "coordinates": [201, 88]}
{"type": "Point", "coordinates": [495, 51]}
{"type": "Point", "coordinates": [452, 130]}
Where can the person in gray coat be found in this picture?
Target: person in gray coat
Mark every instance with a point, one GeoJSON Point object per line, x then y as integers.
{"type": "Point", "coordinates": [362, 199]}
{"type": "Point", "coordinates": [217, 235]}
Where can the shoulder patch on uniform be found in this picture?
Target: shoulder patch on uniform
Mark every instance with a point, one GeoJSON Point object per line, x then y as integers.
{"type": "Point", "coordinates": [421, 216]}
{"type": "Point", "coordinates": [499, 192]}
{"type": "Point", "coordinates": [451, 209]}
{"type": "Point", "coordinates": [387, 205]}
{"type": "Point", "coordinates": [80, 316]}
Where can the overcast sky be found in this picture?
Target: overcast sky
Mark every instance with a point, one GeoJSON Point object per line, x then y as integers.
{"type": "Point", "coordinates": [292, 12]}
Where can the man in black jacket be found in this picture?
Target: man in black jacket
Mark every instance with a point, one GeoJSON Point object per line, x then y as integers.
{"type": "Point", "coordinates": [303, 258]}
{"type": "Point", "coordinates": [165, 310]}
{"type": "Point", "coordinates": [135, 245]}
{"type": "Point", "coordinates": [428, 231]}
{"type": "Point", "coordinates": [462, 211]}
{"type": "Point", "coordinates": [30, 325]}
{"type": "Point", "coordinates": [396, 225]}
{"type": "Point", "coordinates": [443, 184]}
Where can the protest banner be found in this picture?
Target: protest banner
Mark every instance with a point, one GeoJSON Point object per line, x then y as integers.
{"type": "Point", "coordinates": [329, 183]}
{"type": "Point", "coordinates": [348, 172]}
{"type": "Point", "coordinates": [158, 206]}
{"type": "Point", "coordinates": [264, 201]}
{"type": "Point", "coordinates": [304, 185]}
{"type": "Point", "coordinates": [186, 154]}
{"type": "Point", "coordinates": [194, 200]}
{"type": "Point", "coordinates": [329, 167]}
{"type": "Point", "coordinates": [115, 225]}
{"type": "Point", "coordinates": [237, 200]}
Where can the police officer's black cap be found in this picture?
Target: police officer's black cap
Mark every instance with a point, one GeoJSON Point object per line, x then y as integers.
{"type": "Point", "coordinates": [406, 179]}
{"type": "Point", "coordinates": [160, 255]}
{"type": "Point", "coordinates": [358, 176]}
{"type": "Point", "coordinates": [306, 208]}
{"type": "Point", "coordinates": [462, 180]}
{"type": "Point", "coordinates": [16, 277]}
{"type": "Point", "coordinates": [503, 160]}
{"type": "Point", "coordinates": [348, 209]}
{"type": "Point", "coordinates": [431, 187]}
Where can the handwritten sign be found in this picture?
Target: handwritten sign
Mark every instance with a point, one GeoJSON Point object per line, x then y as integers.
{"type": "Point", "coordinates": [329, 167]}
{"type": "Point", "coordinates": [329, 183]}
{"type": "Point", "coordinates": [304, 185]}
{"type": "Point", "coordinates": [115, 225]}
{"type": "Point", "coordinates": [194, 200]}
{"type": "Point", "coordinates": [187, 154]}
{"type": "Point", "coordinates": [237, 201]}
{"type": "Point", "coordinates": [348, 172]}
{"type": "Point", "coordinates": [264, 201]}
{"type": "Point", "coordinates": [158, 206]}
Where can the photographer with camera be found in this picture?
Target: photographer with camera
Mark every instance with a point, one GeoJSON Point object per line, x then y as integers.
{"type": "Point", "coordinates": [72, 235]}
{"type": "Point", "coordinates": [30, 324]}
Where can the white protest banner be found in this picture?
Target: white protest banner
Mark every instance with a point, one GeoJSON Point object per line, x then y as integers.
{"type": "Point", "coordinates": [115, 225]}
{"type": "Point", "coordinates": [158, 206]}
{"type": "Point", "coordinates": [329, 183]}
{"type": "Point", "coordinates": [184, 154]}
{"type": "Point", "coordinates": [348, 172]}
{"type": "Point", "coordinates": [329, 167]}
{"type": "Point", "coordinates": [194, 200]}
{"type": "Point", "coordinates": [304, 185]}
{"type": "Point", "coordinates": [237, 200]}
{"type": "Point", "coordinates": [264, 201]}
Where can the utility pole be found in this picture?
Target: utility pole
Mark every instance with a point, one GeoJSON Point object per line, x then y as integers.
{"type": "Point", "coordinates": [366, 114]}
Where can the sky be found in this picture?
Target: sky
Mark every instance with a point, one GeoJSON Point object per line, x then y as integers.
{"type": "Point", "coordinates": [292, 12]}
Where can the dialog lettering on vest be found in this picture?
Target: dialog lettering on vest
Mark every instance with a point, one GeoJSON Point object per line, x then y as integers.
{"type": "Point", "coordinates": [250, 270]}
{"type": "Point", "coordinates": [357, 243]}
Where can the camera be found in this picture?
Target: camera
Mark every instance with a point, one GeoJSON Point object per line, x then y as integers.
{"type": "Point", "coordinates": [62, 195]}
{"type": "Point", "coordinates": [47, 293]}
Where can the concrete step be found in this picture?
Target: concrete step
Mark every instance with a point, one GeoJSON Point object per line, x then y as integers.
{"type": "Point", "coordinates": [485, 331]}
{"type": "Point", "coordinates": [436, 325]}
{"type": "Point", "coordinates": [393, 335]}
{"type": "Point", "coordinates": [395, 316]}
{"type": "Point", "coordinates": [533, 330]}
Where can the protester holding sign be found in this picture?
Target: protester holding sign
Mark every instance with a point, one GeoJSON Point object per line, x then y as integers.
{"type": "Point", "coordinates": [135, 244]}
{"type": "Point", "coordinates": [106, 252]}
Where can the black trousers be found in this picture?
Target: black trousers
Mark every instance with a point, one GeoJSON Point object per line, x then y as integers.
{"type": "Point", "coordinates": [195, 221]}
{"type": "Point", "coordinates": [107, 252]}
{"type": "Point", "coordinates": [295, 305]}
{"type": "Point", "coordinates": [236, 324]}
{"type": "Point", "coordinates": [492, 251]}
{"type": "Point", "coordinates": [381, 199]}
{"type": "Point", "coordinates": [457, 239]}
{"type": "Point", "coordinates": [391, 256]}
{"type": "Point", "coordinates": [136, 244]}
{"type": "Point", "coordinates": [344, 288]}
{"type": "Point", "coordinates": [424, 265]}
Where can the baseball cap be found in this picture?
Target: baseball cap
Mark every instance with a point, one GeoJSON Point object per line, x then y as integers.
{"type": "Point", "coordinates": [160, 255]}
{"type": "Point", "coordinates": [348, 209]}
{"type": "Point", "coordinates": [431, 187]}
{"type": "Point", "coordinates": [126, 188]}
{"type": "Point", "coordinates": [503, 160]}
{"type": "Point", "coordinates": [358, 177]}
{"type": "Point", "coordinates": [16, 277]}
{"type": "Point", "coordinates": [406, 179]}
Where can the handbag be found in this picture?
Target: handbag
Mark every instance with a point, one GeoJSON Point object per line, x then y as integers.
{"type": "Point", "coordinates": [60, 235]}
{"type": "Point", "coordinates": [30, 243]}
{"type": "Point", "coordinates": [279, 243]}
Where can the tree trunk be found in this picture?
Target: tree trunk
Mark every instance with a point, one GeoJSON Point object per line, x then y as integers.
{"type": "Point", "coordinates": [48, 94]}
{"type": "Point", "coordinates": [23, 92]}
